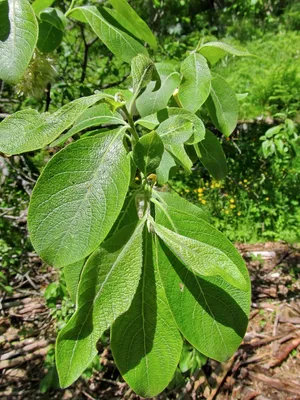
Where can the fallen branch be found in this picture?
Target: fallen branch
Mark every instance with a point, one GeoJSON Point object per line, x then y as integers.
{"type": "Point", "coordinates": [282, 355]}
{"type": "Point", "coordinates": [22, 359]}
{"type": "Point", "coordinates": [275, 383]}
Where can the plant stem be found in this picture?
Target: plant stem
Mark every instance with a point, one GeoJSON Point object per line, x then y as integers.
{"type": "Point", "coordinates": [131, 123]}
{"type": "Point", "coordinates": [70, 8]}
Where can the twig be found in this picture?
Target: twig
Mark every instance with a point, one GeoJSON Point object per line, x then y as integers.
{"type": "Point", "coordinates": [22, 359]}
{"type": "Point", "coordinates": [282, 355]}
{"type": "Point", "coordinates": [275, 383]}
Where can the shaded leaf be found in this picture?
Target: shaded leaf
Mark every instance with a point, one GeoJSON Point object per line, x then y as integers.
{"type": "Point", "coordinates": [212, 156]}
{"type": "Point", "coordinates": [166, 165]}
{"type": "Point", "coordinates": [147, 152]}
{"type": "Point", "coordinates": [145, 342]}
{"type": "Point", "coordinates": [108, 30]}
{"type": "Point", "coordinates": [210, 313]}
{"type": "Point", "coordinates": [222, 105]}
{"type": "Point", "coordinates": [108, 283]}
{"type": "Point", "coordinates": [72, 274]}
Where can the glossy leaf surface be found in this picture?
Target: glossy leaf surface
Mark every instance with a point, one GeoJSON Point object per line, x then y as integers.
{"type": "Point", "coordinates": [78, 198]}
{"type": "Point", "coordinates": [18, 37]}
{"type": "Point", "coordinates": [145, 341]}
{"type": "Point", "coordinates": [107, 285]}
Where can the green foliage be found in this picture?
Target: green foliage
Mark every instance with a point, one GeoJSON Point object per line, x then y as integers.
{"type": "Point", "coordinates": [147, 264]}
{"type": "Point", "coordinates": [19, 33]}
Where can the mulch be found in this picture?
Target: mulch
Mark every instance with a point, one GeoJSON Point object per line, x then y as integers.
{"type": "Point", "coordinates": [266, 366]}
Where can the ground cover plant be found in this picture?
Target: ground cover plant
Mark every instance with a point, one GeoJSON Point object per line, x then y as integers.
{"type": "Point", "coordinates": [131, 253]}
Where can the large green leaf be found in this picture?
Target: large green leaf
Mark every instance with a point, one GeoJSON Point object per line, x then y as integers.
{"type": "Point", "coordinates": [107, 286]}
{"type": "Point", "coordinates": [196, 83]}
{"type": "Point", "coordinates": [222, 105]}
{"type": "Point", "coordinates": [110, 32]}
{"type": "Point", "coordinates": [152, 100]}
{"type": "Point", "coordinates": [203, 249]}
{"type": "Point", "coordinates": [153, 120]}
{"type": "Point", "coordinates": [180, 155]}
{"type": "Point", "coordinates": [18, 37]}
{"type": "Point", "coordinates": [72, 274]}
{"type": "Point", "coordinates": [137, 26]}
{"type": "Point", "coordinates": [175, 130]}
{"type": "Point", "coordinates": [147, 152]}
{"type": "Point", "coordinates": [93, 116]}
{"type": "Point", "coordinates": [145, 342]}
{"type": "Point", "coordinates": [211, 314]}
{"type": "Point", "coordinates": [212, 156]}
{"type": "Point", "coordinates": [214, 51]}
{"type": "Point", "coordinates": [142, 71]}
{"type": "Point", "coordinates": [28, 130]}
{"type": "Point", "coordinates": [39, 5]}
{"type": "Point", "coordinates": [165, 167]}
{"type": "Point", "coordinates": [203, 257]}
{"type": "Point", "coordinates": [78, 198]}
{"type": "Point", "coordinates": [172, 202]}
{"type": "Point", "coordinates": [51, 29]}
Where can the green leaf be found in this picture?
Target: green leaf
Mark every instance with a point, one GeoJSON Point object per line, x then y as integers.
{"type": "Point", "coordinates": [211, 154]}
{"type": "Point", "coordinates": [222, 105]}
{"type": "Point", "coordinates": [39, 5]}
{"type": "Point", "coordinates": [108, 30]}
{"type": "Point", "coordinates": [210, 313]}
{"type": "Point", "coordinates": [196, 83]}
{"type": "Point", "coordinates": [147, 152]}
{"type": "Point", "coordinates": [142, 71]}
{"type": "Point", "coordinates": [145, 342]}
{"type": "Point", "coordinates": [107, 286]}
{"type": "Point", "coordinates": [27, 130]}
{"type": "Point", "coordinates": [151, 100]}
{"type": "Point", "coordinates": [241, 96]}
{"type": "Point", "coordinates": [172, 202]}
{"type": "Point", "coordinates": [153, 120]}
{"type": "Point", "coordinates": [164, 168]}
{"type": "Point", "coordinates": [78, 198]}
{"type": "Point", "coordinates": [51, 29]}
{"type": "Point", "coordinates": [139, 28]}
{"type": "Point", "coordinates": [72, 274]}
{"type": "Point", "coordinates": [214, 51]}
{"type": "Point", "coordinates": [93, 116]}
{"type": "Point", "coordinates": [204, 250]}
{"type": "Point", "coordinates": [18, 37]}
{"type": "Point", "coordinates": [175, 130]}
{"type": "Point", "coordinates": [55, 17]}
{"type": "Point", "coordinates": [180, 156]}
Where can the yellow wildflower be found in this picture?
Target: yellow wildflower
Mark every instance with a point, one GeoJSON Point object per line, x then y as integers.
{"type": "Point", "coordinates": [232, 206]}
{"type": "Point", "coordinates": [187, 190]}
{"type": "Point", "coordinates": [239, 213]}
{"type": "Point", "coordinates": [231, 200]}
{"type": "Point", "coordinates": [226, 212]}
{"type": "Point", "coordinates": [203, 201]}
{"type": "Point", "coordinates": [212, 186]}
{"type": "Point", "coordinates": [240, 182]}
{"type": "Point", "coordinates": [245, 180]}
{"type": "Point", "coordinates": [267, 198]}
{"type": "Point", "coordinates": [200, 190]}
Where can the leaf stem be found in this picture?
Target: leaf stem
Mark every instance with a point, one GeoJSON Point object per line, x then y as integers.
{"type": "Point", "coordinates": [131, 123]}
{"type": "Point", "coordinates": [69, 10]}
